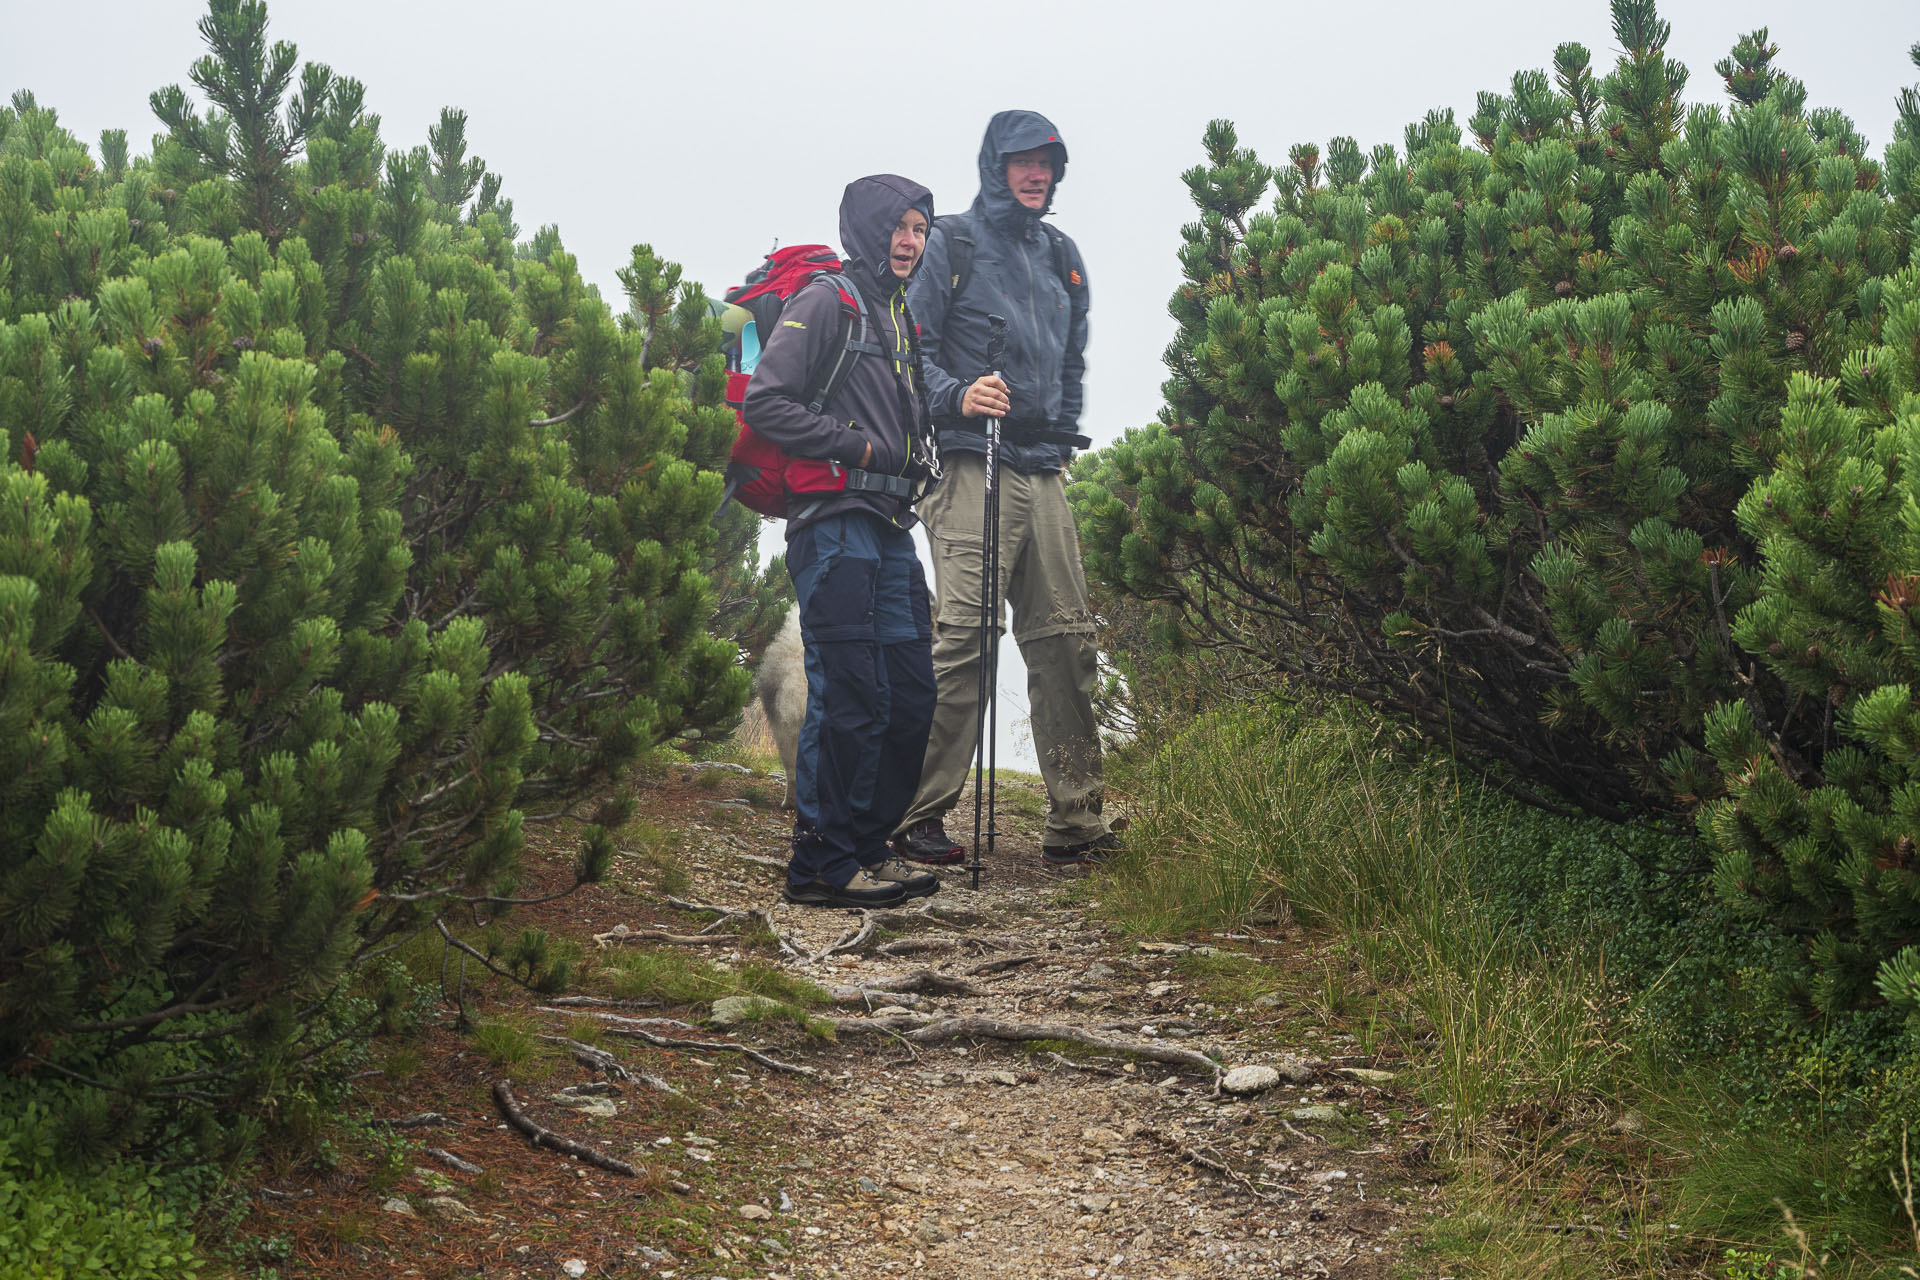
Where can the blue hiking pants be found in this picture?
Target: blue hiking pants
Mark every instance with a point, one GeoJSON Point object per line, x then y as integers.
{"type": "Point", "coordinates": [867, 629]}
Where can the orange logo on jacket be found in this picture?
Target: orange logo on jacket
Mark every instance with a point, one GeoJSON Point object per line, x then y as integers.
{"type": "Point", "coordinates": [1073, 277]}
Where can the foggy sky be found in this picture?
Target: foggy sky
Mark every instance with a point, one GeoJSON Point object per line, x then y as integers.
{"type": "Point", "coordinates": [712, 130]}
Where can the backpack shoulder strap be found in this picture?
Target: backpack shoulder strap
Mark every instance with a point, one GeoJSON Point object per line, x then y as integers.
{"type": "Point", "coordinates": [959, 233]}
{"type": "Point", "coordinates": [1057, 240]}
{"type": "Point", "coordinates": [856, 338]}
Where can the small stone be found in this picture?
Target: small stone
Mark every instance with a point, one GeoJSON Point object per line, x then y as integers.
{"type": "Point", "coordinates": [755, 1212]}
{"type": "Point", "coordinates": [725, 766]}
{"type": "Point", "coordinates": [1099, 972]}
{"type": "Point", "coordinates": [1249, 1080]}
{"type": "Point", "coordinates": [601, 1108]}
{"type": "Point", "coordinates": [575, 1267]}
{"type": "Point", "coordinates": [731, 1011]}
{"type": "Point", "coordinates": [1160, 989]}
{"type": "Point", "coordinates": [695, 1140]}
{"type": "Point", "coordinates": [399, 1206]}
{"type": "Point", "coordinates": [1094, 1202]}
{"type": "Point", "coordinates": [1322, 1112]}
{"type": "Point", "coordinates": [1002, 1077]}
{"type": "Point", "coordinates": [1097, 1137]}
{"type": "Point", "coordinates": [1271, 1000]}
{"type": "Point", "coordinates": [449, 1207]}
{"type": "Point", "coordinates": [868, 1186]}
{"type": "Point", "coordinates": [931, 1232]}
{"type": "Point", "coordinates": [1366, 1075]}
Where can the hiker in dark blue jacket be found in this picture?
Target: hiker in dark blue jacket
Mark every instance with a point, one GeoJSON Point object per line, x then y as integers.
{"type": "Point", "coordinates": [1000, 258]}
{"type": "Point", "coordinates": [864, 619]}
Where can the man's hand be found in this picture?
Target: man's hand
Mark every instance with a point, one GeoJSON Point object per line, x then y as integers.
{"type": "Point", "coordinates": [986, 397]}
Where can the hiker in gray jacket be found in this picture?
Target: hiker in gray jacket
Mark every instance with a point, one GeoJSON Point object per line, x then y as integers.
{"type": "Point", "coordinates": [1000, 258]}
{"type": "Point", "coordinates": [861, 593]}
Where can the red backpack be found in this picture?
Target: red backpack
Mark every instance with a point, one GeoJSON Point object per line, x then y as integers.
{"type": "Point", "coordinates": [759, 473]}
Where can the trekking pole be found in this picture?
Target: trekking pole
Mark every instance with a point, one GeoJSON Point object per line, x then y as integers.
{"type": "Point", "coordinates": [985, 722]}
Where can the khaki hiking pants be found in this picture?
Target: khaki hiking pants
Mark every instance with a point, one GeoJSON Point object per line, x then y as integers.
{"type": "Point", "coordinates": [1041, 579]}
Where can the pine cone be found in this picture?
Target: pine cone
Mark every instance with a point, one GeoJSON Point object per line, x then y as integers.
{"type": "Point", "coordinates": [1563, 288]}
{"type": "Point", "coordinates": [151, 346]}
{"type": "Point", "coordinates": [1796, 340]}
{"type": "Point", "coordinates": [1446, 402]}
{"type": "Point", "coordinates": [1787, 253]}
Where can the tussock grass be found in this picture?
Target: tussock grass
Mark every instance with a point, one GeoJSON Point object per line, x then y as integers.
{"type": "Point", "coordinates": [682, 979]}
{"type": "Point", "coordinates": [1586, 1147]}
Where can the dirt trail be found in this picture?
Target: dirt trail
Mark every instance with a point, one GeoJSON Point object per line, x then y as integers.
{"type": "Point", "coordinates": [899, 1147]}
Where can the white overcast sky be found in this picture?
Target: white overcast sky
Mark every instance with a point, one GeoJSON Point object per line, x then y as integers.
{"type": "Point", "coordinates": [709, 130]}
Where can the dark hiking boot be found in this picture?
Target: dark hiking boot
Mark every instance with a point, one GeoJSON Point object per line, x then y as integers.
{"type": "Point", "coordinates": [861, 891]}
{"type": "Point", "coordinates": [914, 882]}
{"type": "Point", "coordinates": [1100, 849]}
{"type": "Point", "coordinates": [927, 841]}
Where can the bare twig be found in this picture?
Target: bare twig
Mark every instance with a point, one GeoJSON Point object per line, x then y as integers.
{"type": "Point", "coordinates": [271, 1194]}
{"type": "Point", "coordinates": [510, 976]}
{"type": "Point", "coordinates": [1209, 1162]}
{"type": "Point", "coordinates": [559, 418]}
{"type": "Point", "coordinates": [1093, 1067]}
{"type": "Point", "coordinates": [544, 1137]}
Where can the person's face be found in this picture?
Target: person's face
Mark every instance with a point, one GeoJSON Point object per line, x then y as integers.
{"type": "Point", "coordinates": [908, 243]}
{"type": "Point", "coordinates": [1030, 177]}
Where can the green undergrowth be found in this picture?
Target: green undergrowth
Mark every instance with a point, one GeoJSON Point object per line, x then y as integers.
{"type": "Point", "coordinates": [1615, 1076]}
{"type": "Point", "coordinates": [110, 1220]}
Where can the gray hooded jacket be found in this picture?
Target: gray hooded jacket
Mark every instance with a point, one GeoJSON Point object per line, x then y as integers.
{"type": "Point", "coordinates": [1013, 275]}
{"type": "Point", "coordinates": [878, 401]}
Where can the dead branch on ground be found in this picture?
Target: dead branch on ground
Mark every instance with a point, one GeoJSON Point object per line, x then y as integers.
{"type": "Point", "coordinates": [418, 1120]}
{"type": "Point", "coordinates": [452, 1161]}
{"type": "Point", "coordinates": [544, 1137]}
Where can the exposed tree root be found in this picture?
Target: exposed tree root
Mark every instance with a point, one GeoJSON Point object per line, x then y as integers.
{"type": "Point", "coordinates": [1000, 964]}
{"type": "Point", "coordinates": [544, 1137]}
{"type": "Point", "coordinates": [601, 1002]}
{"type": "Point", "coordinates": [921, 1030]}
{"type": "Point", "coordinates": [621, 933]}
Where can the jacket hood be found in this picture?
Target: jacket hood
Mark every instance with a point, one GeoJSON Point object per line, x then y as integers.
{"type": "Point", "coordinates": [869, 211]}
{"type": "Point", "coordinates": [1008, 133]}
